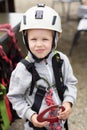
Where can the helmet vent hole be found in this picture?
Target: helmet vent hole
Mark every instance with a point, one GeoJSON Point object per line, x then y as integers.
{"type": "Point", "coordinates": [24, 19]}
{"type": "Point", "coordinates": [54, 20]}
{"type": "Point", "coordinates": [39, 14]}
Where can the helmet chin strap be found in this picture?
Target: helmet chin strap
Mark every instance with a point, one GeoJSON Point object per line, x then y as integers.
{"type": "Point", "coordinates": [39, 59]}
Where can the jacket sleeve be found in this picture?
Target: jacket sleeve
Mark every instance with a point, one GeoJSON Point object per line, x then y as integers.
{"type": "Point", "coordinates": [70, 81]}
{"type": "Point", "coordinates": [19, 84]}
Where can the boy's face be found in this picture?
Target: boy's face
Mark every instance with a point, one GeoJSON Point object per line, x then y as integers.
{"type": "Point", "coordinates": [40, 42]}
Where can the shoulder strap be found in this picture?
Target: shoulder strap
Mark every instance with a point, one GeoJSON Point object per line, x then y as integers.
{"type": "Point", "coordinates": [40, 93]}
{"type": "Point", "coordinates": [31, 68]}
{"type": "Point", "coordinates": [57, 69]}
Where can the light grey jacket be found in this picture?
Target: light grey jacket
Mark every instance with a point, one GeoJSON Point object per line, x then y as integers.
{"type": "Point", "coordinates": [20, 83]}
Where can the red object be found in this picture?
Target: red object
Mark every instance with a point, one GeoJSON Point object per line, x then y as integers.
{"type": "Point", "coordinates": [8, 61]}
{"type": "Point", "coordinates": [53, 119]}
{"type": "Point", "coordinates": [48, 98]}
{"type": "Point", "coordinates": [55, 122]}
{"type": "Point", "coordinates": [14, 53]}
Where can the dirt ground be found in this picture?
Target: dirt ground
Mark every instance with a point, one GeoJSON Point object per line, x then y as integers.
{"type": "Point", "coordinates": [78, 118]}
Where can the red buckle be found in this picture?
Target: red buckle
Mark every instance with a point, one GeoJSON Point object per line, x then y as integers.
{"type": "Point", "coordinates": [41, 117]}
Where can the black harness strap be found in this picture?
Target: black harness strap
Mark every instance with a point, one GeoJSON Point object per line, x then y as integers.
{"type": "Point", "coordinates": [35, 76]}
{"type": "Point", "coordinates": [40, 93]}
{"type": "Point", "coordinates": [38, 98]}
{"type": "Point", "coordinates": [57, 68]}
{"type": "Point", "coordinates": [37, 103]}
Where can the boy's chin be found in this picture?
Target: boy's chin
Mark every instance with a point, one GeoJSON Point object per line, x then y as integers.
{"type": "Point", "coordinates": [40, 57]}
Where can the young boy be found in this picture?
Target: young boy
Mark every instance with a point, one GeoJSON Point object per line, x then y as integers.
{"type": "Point", "coordinates": [41, 28]}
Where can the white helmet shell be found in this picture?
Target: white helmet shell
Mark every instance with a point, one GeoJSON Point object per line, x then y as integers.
{"type": "Point", "coordinates": [41, 17]}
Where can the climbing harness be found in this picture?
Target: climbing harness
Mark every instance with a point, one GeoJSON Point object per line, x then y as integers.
{"type": "Point", "coordinates": [41, 91]}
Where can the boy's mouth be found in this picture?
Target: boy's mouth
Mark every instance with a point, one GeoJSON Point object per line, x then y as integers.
{"type": "Point", "coordinates": [39, 50]}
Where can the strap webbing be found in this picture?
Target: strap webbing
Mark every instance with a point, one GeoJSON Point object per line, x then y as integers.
{"type": "Point", "coordinates": [38, 98]}
{"type": "Point", "coordinates": [40, 93]}
{"type": "Point", "coordinates": [37, 103]}
{"type": "Point", "coordinates": [57, 65]}
{"type": "Point", "coordinates": [35, 76]}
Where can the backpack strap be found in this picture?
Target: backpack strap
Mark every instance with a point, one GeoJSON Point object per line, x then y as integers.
{"type": "Point", "coordinates": [31, 68]}
{"type": "Point", "coordinates": [41, 90]}
{"type": "Point", "coordinates": [57, 69]}
{"type": "Point", "coordinates": [40, 93]}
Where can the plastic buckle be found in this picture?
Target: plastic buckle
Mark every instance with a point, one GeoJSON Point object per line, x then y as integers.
{"type": "Point", "coordinates": [41, 117]}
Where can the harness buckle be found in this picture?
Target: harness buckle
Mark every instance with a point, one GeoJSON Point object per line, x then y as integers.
{"type": "Point", "coordinates": [41, 90]}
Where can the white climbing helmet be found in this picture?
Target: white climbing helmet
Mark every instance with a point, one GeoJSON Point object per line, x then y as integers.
{"type": "Point", "coordinates": [41, 17]}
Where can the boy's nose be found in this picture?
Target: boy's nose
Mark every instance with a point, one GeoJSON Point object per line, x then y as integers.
{"type": "Point", "coordinates": [39, 43]}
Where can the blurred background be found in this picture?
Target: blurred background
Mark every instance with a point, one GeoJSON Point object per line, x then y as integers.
{"type": "Point", "coordinates": [73, 43]}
